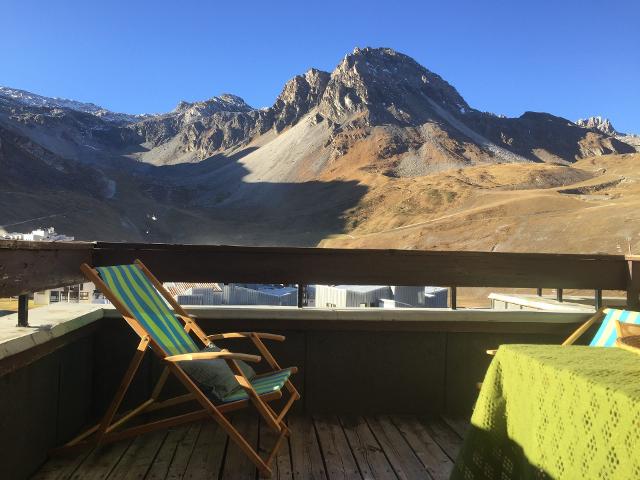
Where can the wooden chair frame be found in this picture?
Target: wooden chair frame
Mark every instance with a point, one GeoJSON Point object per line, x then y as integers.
{"type": "Point", "coordinates": [571, 339]}
{"type": "Point", "coordinates": [596, 317]}
{"type": "Point", "coordinates": [108, 429]}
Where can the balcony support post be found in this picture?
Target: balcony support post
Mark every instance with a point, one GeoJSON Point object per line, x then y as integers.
{"type": "Point", "coordinates": [598, 299]}
{"type": "Point", "coordinates": [633, 281]}
{"type": "Point", "coordinates": [539, 292]}
{"type": "Point", "coordinates": [23, 310]}
{"type": "Point", "coordinates": [302, 295]}
{"type": "Point", "coordinates": [453, 291]}
{"type": "Point", "coordinates": [559, 295]}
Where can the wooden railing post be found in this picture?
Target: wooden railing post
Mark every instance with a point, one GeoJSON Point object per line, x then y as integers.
{"type": "Point", "coordinates": [633, 281]}
{"type": "Point", "coordinates": [453, 291]}
{"type": "Point", "coordinates": [302, 295]}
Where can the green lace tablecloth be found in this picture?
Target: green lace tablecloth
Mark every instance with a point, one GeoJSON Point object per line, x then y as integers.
{"type": "Point", "coordinates": [555, 412]}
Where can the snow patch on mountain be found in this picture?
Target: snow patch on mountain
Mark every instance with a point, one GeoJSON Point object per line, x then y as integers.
{"type": "Point", "coordinates": [34, 100]}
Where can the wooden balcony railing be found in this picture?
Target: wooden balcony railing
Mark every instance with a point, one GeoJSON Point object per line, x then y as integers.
{"type": "Point", "coordinates": [34, 266]}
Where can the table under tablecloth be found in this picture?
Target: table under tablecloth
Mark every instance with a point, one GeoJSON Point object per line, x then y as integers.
{"type": "Point", "coordinates": [547, 411]}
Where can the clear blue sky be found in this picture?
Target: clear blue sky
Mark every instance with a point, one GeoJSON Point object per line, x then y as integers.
{"type": "Point", "coordinates": [568, 57]}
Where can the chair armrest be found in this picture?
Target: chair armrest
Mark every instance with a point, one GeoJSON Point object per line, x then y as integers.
{"type": "Point", "coordinates": [213, 355]}
{"type": "Point", "coordinates": [266, 336]}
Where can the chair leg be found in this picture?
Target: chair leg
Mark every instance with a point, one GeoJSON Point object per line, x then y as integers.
{"type": "Point", "coordinates": [221, 420]}
{"type": "Point", "coordinates": [160, 384]}
{"type": "Point", "coordinates": [122, 389]}
{"type": "Point", "coordinates": [276, 446]}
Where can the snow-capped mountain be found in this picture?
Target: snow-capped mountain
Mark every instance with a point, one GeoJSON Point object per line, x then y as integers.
{"type": "Point", "coordinates": [35, 100]}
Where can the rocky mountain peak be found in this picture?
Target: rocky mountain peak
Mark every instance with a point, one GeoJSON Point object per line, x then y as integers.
{"type": "Point", "coordinates": [299, 95]}
{"type": "Point", "coordinates": [226, 102]}
{"type": "Point", "coordinates": [390, 85]}
{"type": "Point", "coordinates": [598, 123]}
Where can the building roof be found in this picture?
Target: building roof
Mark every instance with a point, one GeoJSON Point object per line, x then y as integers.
{"type": "Point", "coordinates": [178, 288]}
{"type": "Point", "coordinates": [434, 289]}
{"type": "Point", "coordinates": [361, 288]}
{"type": "Point", "coordinates": [276, 291]}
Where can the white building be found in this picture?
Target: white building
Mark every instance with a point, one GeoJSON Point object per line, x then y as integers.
{"type": "Point", "coordinates": [344, 296]}
{"type": "Point", "coordinates": [240, 294]}
{"type": "Point", "coordinates": [40, 235]}
{"type": "Point", "coordinates": [81, 293]}
{"type": "Point", "coordinates": [348, 296]}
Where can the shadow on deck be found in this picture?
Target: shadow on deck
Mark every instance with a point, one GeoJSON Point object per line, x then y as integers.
{"type": "Point", "coordinates": [320, 447]}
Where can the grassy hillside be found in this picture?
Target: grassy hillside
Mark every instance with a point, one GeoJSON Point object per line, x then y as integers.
{"type": "Point", "coordinates": [590, 206]}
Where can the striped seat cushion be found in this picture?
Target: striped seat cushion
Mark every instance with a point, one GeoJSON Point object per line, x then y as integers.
{"type": "Point", "coordinates": [137, 293]}
{"type": "Point", "coordinates": [607, 334]}
{"type": "Point", "coordinates": [262, 384]}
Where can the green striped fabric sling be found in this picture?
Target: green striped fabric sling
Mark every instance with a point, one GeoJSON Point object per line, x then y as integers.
{"type": "Point", "coordinates": [135, 291]}
{"type": "Point", "coordinates": [607, 334]}
{"type": "Point", "coordinates": [132, 287]}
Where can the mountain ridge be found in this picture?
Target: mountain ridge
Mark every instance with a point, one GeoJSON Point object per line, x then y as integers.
{"type": "Point", "coordinates": [220, 170]}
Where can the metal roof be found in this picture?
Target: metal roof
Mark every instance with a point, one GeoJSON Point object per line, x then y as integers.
{"type": "Point", "coordinates": [178, 288]}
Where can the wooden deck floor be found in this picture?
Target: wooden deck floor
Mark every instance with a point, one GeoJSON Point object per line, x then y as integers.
{"type": "Point", "coordinates": [321, 447]}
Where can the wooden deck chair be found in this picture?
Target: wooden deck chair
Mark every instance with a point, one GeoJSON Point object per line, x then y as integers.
{"type": "Point", "coordinates": [607, 334]}
{"type": "Point", "coordinates": [140, 299]}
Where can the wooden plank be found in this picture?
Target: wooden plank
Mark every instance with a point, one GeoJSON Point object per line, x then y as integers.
{"type": "Point", "coordinates": [101, 462]}
{"type": "Point", "coordinates": [305, 452]}
{"type": "Point", "coordinates": [138, 458]}
{"type": "Point", "coordinates": [404, 462]}
{"type": "Point", "coordinates": [366, 266]}
{"type": "Point", "coordinates": [61, 467]}
{"type": "Point", "coordinates": [27, 267]}
{"type": "Point", "coordinates": [371, 460]}
{"type": "Point", "coordinates": [336, 452]}
{"type": "Point", "coordinates": [208, 454]}
{"type": "Point", "coordinates": [281, 465]}
{"type": "Point", "coordinates": [183, 452]}
{"type": "Point", "coordinates": [437, 463]}
{"type": "Point", "coordinates": [237, 465]}
{"type": "Point", "coordinates": [160, 466]}
{"type": "Point", "coordinates": [449, 441]}
{"type": "Point", "coordinates": [504, 321]}
{"type": "Point", "coordinates": [458, 425]}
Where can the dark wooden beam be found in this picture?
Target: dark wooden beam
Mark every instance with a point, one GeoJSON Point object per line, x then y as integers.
{"type": "Point", "coordinates": [397, 325]}
{"type": "Point", "coordinates": [27, 267]}
{"type": "Point", "coordinates": [383, 267]}
{"type": "Point", "coordinates": [33, 266]}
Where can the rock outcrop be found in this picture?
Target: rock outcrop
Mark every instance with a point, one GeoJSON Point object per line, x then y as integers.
{"type": "Point", "coordinates": [603, 125]}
